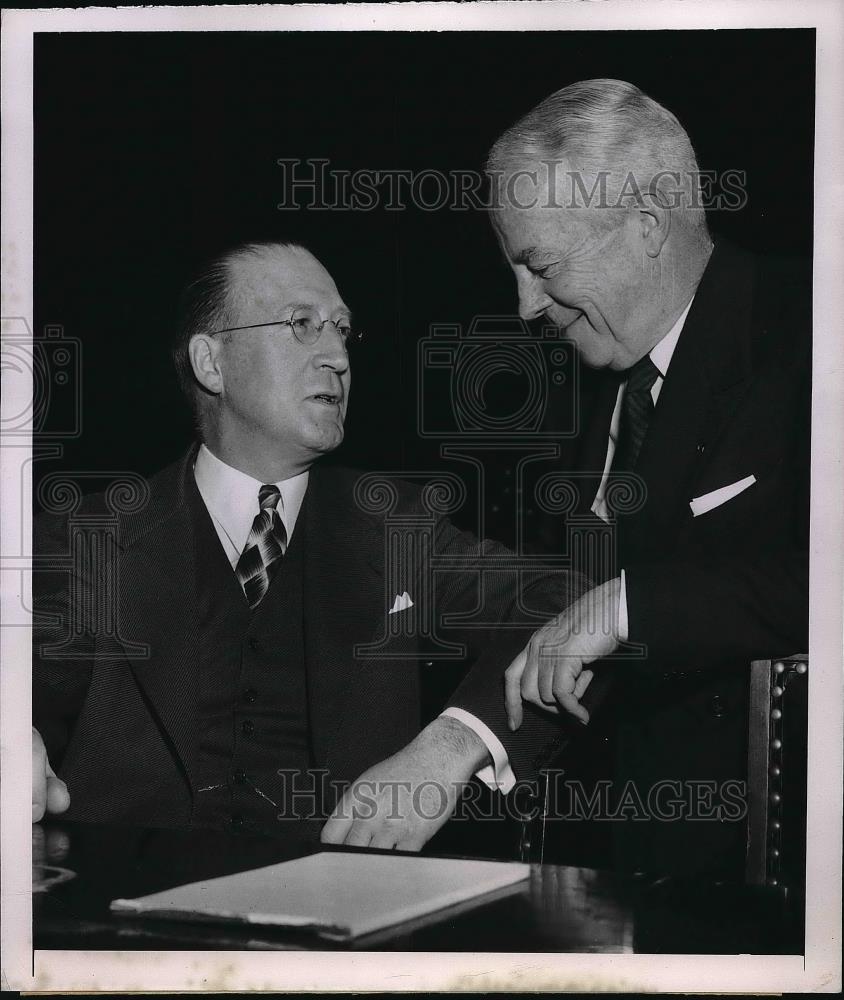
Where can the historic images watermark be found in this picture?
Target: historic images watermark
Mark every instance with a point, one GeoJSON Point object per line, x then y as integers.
{"type": "Point", "coordinates": [314, 184]}
{"type": "Point", "coordinates": [305, 794]}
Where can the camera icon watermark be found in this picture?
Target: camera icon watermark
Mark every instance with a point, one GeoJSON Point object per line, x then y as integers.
{"type": "Point", "coordinates": [458, 370]}
{"type": "Point", "coordinates": [42, 382]}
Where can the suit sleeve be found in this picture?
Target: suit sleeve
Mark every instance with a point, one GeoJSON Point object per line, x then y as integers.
{"type": "Point", "coordinates": [504, 599]}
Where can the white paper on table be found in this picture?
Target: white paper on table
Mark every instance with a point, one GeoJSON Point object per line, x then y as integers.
{"type": "Point", "coordinates": [336, 894]}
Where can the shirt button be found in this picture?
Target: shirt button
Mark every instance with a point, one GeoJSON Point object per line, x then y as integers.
{"type": "Point", "coordinates": [239, 776]}
{"type": "Point", "coordinates": [247, 727]}
{"type": "Point", "coordinates": [716, 706]}
{"type": "Point", "coordinates": [254, 644]}
{"type": "Point", "coordinates": [237, 822]}
{"type": "Point", "coordinates": [250, 695]}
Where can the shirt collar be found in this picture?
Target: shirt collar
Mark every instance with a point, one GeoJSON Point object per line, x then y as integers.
{"type": "Point", "coordinates": [662, 354]}
{"type": "Point", "coordinates": [231, 496]}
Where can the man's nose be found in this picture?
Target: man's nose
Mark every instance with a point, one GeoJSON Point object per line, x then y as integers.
{"type": "Point", "coordinates": [330, 349]}
{"type": "Point", "coordinates": [532, 298]}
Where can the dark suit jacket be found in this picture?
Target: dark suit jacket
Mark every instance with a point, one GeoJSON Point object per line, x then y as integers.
{"type": "Point", "coordinates": [122, 730]}
{"type": "Point", "coordinates": [707, 594]}
{"type": "Point", "coordinates": [732, 582]}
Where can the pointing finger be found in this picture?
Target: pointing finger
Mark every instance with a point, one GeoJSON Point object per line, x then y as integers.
{"type": "Point", "coordinates": [513, 690]}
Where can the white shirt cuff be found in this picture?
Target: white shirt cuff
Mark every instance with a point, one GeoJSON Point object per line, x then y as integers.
{"type": "Point", "coordinates": [623, 625]}
{"type": "Point", "coordinates": [498, 774]}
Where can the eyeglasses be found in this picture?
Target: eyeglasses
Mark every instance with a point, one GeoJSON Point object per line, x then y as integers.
{"type": "Point", "coordinates": [307, 328]}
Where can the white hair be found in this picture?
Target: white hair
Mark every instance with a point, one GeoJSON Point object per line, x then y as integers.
{"type": "Point", "coordinates": [613, 127]}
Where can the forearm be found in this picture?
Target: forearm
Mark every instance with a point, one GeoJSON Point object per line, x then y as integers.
{"type": "Point", "coordinates": [410, 795]}
{"type": "Point", "coordinates": [506, 595]}
{"type": "Point", "coordinates": [540, 736]}
{"type": "Point", "coordinates": [454, 751]}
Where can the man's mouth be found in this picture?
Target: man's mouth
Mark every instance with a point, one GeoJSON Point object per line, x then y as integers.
{"type": "Point", "coordinates": [329, 398]}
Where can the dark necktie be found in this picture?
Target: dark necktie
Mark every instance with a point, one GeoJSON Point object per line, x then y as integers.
{"type": "Point", "coordinates": [265, 546]}
{"type": "Point", "coordinates": [636, 409]}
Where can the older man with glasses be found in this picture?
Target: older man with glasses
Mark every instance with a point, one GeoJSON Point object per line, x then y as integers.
{"type": "Point", "coordinates": [251, 576]}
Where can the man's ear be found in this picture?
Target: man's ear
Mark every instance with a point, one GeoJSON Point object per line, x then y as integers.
{"type": "Point", "coordinates": [654, 221]}
{"type": "Point", "coordinates": [204, 353]}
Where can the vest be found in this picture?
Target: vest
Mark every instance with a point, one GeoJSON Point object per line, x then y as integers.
{"type": "Point", "coordinates": [252, 694]}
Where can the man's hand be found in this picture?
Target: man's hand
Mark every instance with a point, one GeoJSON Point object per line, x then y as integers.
{"type": "Point", "coordinates": [403, 801]}
{"type": "Point", "coordinates": [549, 671]}
{"type": "Point", "coordinates": [49, 793]}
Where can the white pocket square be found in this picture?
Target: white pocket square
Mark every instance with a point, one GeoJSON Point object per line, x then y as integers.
{"type": "Point", "coordinates": [401, 603]}
{"type": "Point", "coordinates": [709, 501]}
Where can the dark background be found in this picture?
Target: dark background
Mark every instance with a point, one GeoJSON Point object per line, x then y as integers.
{"type": "Point", "coordinates": [155, 150]}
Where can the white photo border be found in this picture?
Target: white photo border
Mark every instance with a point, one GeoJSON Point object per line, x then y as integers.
{"type": "Point", "coordinates": [820, 969]}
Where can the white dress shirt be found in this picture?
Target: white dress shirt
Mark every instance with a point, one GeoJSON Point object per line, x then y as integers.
{"type": "Point", "coordinates": [232, 500]}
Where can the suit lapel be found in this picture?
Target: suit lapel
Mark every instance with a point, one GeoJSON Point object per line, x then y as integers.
{"type": "Point", "coordinates": [343, 591]}
{"type": "Point", "coordinates": [343, 594]}
{"type": "Point", "coordinates": [709, 373]}
{"type": "Point", "coordinates": [159, 605]}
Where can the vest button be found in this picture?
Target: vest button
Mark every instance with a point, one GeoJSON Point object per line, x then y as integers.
{"type": "Point", "coordinates": [237, 822]}
{"type": "Point", "coordinates": [250, 695]}
{"type": "Point", "coordinates": [239, 776]}
{"type": "Point", "coordinates": [247, 727]}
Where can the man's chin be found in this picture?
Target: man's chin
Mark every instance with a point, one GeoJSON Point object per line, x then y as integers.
{"type": "Point", "coordinates": [326, 441]}
{"type": "Point", "coordinates": [594, 349]}
{"type": "Point", "coordinates": [593, 355]}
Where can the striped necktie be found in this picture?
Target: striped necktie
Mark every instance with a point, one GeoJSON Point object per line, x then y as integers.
{"type": "Point", "coordinates": [636, 409]}
{"type": "Point", "coordinates": [265, 546]}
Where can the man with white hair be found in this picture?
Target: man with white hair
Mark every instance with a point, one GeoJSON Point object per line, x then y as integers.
{"type": "Point", "coordinates": [702, 392]}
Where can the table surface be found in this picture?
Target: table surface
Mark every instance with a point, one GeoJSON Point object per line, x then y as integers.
{"type": "Point", "coordinates": [79, 868]}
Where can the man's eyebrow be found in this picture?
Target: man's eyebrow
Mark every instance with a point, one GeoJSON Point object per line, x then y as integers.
{"type": "Point", "coordinates": [339, 311]}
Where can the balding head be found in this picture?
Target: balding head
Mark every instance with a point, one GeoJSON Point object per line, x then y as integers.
{"type": "Point", "coordinates": [206, 304]}
{"type": "Point", "coordinates": [263, 352]}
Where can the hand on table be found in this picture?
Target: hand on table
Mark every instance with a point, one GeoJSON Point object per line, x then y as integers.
{"type": "Point", "coordinates": [49, 793]}
{"type": "Point", "coordinates": [549, 672]}
{"type": "Point", "coordinates": [403, 801]}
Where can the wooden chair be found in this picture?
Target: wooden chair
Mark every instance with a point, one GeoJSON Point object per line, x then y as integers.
{"type": "Point", "coordinates": [776, 772]}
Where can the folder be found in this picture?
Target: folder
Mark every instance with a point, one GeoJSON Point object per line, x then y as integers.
{"type": "Point", "coordinates": [336, 895]}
